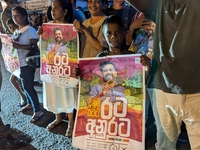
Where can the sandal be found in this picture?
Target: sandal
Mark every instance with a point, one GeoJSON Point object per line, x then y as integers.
{"type": "Point", "coordinates": [69, 132]}
{"type": "Point", "coordinates": [52, 125]}
{"type": "Point", "coordinates": [36, 118]}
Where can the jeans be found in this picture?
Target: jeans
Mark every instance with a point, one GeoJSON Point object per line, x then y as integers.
{"type": "Point", "coordinates": [169, 112]}
{"type": "Point", "coordinates": [27, 77]}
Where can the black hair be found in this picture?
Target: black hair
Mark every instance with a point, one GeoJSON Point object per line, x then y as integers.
{"type": "Point", "coordinates": [102, 64]}
{"type": "Point", "coordinates": [114, 19]}
{"type": "Point", "coordinates": [49, 15]}
{"type": "Point", "coordinates": [65, 4]}
{"type": "Point", "coordinates": [101, 1]}
{"type": "Point", "coordinates": [56, 29]}
{"type": "Point", "coordinates": [10, 21]}
{"type": "Point", "coordinates": [23, 12]}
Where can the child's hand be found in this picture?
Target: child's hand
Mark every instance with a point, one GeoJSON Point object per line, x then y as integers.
{"type": "Point", "coordinates": [76, 72]}
{"type": "Point", "coordinates": [39, 31]}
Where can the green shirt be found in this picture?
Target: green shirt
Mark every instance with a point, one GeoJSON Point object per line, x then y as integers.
{"type": "Point", "coordinates": [176, 54]}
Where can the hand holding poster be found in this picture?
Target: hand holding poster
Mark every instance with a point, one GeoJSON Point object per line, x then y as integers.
{"type": "Point", "coordinates": [110, 109]}
{"type": "Point", "coordinates": [10, 55]}
{"type": "Point", "coordinates": [59, 54]}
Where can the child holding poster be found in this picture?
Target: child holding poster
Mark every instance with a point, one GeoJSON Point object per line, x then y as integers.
{"type": "Point", "coordinates": [114, 35]}
{"type": "Point", "coordinates": [60, 99]}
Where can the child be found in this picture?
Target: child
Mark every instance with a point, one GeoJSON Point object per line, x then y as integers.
{"type": "Point", "coordinates": [114, 35]}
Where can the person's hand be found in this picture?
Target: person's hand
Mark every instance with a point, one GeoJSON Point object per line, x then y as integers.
{"type": "Point", "coordinates": [145, 61]}
{"type": "Point", "coordinates": [16, 45]}
{"type": "Point", "coordinates": [140, 22]}
{"type": "Point", "coordinates": [76, 72]}
{"type": "Point", "coordinates": [39, 31]}
{"type": "Point", "coordinates": [80, 27]}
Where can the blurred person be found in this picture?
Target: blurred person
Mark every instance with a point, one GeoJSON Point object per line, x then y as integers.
{"type": "Point", "coordinates": [91, 41]}
{"type": "Point", "coordinates": [140, 35]}
{"type": "Point", "coordinates": [25, 40]}
{"type": "Point", "coordinates": [7, 13]}
{"type": "Point", "coordinates": [33, 19]}
{"type": "Point", "coordinates": [122, 10]}
{"type": "Point", "coordinates": [173, 80]}
{"type": "Point", "coordinates": [59, 99]}
{"type": "Point", "coordinates": [78, 14]}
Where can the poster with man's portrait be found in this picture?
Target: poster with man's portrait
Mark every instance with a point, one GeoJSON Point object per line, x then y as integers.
{"type": "Point", "coordinates": [10, 55]}
{"type": "Point", "coordinates": [110, 109]}
{"type": "Point", "coordinates": [59, 54]}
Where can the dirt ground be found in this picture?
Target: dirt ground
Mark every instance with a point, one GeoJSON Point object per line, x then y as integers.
{"type": "Point", "coordinates": [36, 135]}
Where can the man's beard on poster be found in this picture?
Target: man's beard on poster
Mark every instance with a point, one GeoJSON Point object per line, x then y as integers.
{"type": "Point", "coordinates": [109, 80]}
{"type": "Point", "coordinates": [58, 40]}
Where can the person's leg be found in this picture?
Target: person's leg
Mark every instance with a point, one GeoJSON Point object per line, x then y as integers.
{"type": "Point", "coordinates": [27, 76]}
{"type": "Point", "coordinates": [13, 80]}
{"type": "Point", "coordinates": [57, 121]}
{"type": "Point", "coordinates": [168, 118]}
{"type": "Point", "coordinates": [192, 119]}
{"type": "Point", "coordinates": [70, 125]}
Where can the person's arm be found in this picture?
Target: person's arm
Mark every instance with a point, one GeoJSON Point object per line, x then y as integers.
{"type": "Point", "coordinates": [32, 45]}
{"type": "Point", "coordinates": [90, 37]}
{"type": "Point", "coordinates": [145, 6]}
{"type": "Point", "coordinates": [4, 18]}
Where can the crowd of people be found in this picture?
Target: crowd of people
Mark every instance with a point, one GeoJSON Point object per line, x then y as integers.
{"type": "Point", "coordinates": [117, 29]}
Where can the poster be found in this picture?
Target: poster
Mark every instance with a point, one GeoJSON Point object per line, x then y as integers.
{"type": "Point", "coordinates": [110, 109]}
{"type": "Point", "coordinates": [59, 55]}
{"type": "Point", "coordinates": [35, 4]}
{"type": "Point", "coordinates": [10, 55]}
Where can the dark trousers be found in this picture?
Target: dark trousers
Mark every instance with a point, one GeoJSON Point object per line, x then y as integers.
{"type": "Point", "coordinates": [27, 77]}
{"type": "Point", "coordinates": [3, 130]}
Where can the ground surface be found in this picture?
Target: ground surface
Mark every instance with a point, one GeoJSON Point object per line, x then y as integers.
{"type": "Point", "coordinates": [37, 136]}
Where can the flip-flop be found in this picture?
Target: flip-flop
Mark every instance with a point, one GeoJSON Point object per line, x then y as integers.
{"type": "Point", "coordinates": [36, 118]}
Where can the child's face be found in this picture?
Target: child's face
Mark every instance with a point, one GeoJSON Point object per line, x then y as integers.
{"type": "Point", "coordinates": [12, 27]}
{"type": "Point", "coordinates": [113, 35]}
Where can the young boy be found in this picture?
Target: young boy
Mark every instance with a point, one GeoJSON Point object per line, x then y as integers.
{"type": "Point", "coordinates": [114, 35]}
